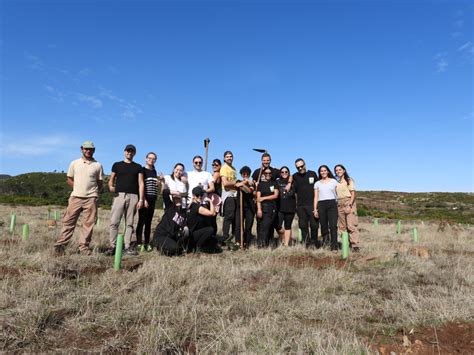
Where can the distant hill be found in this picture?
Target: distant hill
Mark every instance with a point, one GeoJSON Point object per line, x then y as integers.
{"type": "Point", "coordinates": [52, 189]}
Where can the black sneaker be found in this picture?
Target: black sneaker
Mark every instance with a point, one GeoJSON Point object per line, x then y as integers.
{"type": "Point", "coordinates": [130, 252]}
{"type": "Point", "coordinates": [110, 251]}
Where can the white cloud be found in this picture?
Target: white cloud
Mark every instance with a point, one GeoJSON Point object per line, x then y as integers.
{"type": "Point", "coordinates": [85, 71]}
{"type": "Point", "coordinates": [441, 63]}
{"type": "Point", "coordinates": [55, 94]}
{"type": "Point", "coordinates": [90, 100]}
{"type": "Point", "coordinates": [33, 146]}
{"type": "Point", "coordinates": [466, 45]}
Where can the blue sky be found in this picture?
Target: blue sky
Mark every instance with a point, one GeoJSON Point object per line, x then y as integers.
{"type": "Point", "coordinates": [384, 87]}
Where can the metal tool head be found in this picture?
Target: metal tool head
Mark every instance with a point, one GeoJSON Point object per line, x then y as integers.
{"type": "Point", "coordinates": [260, 150]}
{"type": "Point", "coordinates": [206, 142]}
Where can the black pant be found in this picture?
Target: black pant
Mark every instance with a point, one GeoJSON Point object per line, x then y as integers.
{"type": "Point", "coordinates": [327, 210]}
{"type": "Point", "coordinates": [248, 216]}
{"type": "Point", "coordinates": [204, 238]}
{"type": "Point", "coordinates": [305, 216]}
{"type": "Point", "coordinates": [168, 246]}
{"type": "Point", "coordinates": [145, 216]}
{"type": "Point", "coordinates": [230, 211]}
{"type": "Point", "coordinates": [265, 225]}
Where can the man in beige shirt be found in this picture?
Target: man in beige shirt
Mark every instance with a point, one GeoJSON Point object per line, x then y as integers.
{"type": "Point", "coordinates": [85, 176]}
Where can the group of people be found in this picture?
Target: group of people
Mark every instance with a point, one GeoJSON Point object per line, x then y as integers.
{"type": "Point", "coordinates": [192, 200]}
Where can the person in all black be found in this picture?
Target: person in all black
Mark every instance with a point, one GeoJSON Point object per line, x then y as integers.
{"type": "Point", "coordinates": [287, 206]}
{"type": "Point", "coordinates": [171, 235]}
{"type": "Point", "coordinates": [145, 215]}
{"type": "Point", "coordinates": [216, 175]}
{"type": "Point", "coordinates": [303, 184]}
{"type": "Point", "coordinates": [245, 194]}
{"type": "Point", "coordinates": [267, 196]}
{"type": "Point", "coordinates": [202, 234]}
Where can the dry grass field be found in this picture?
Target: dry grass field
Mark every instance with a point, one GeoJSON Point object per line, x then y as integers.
{"type": "Point", "coordinates": [395, 296]}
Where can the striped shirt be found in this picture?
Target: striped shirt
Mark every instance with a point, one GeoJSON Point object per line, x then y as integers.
{"type": "Point", "coordinates": [151, 182]}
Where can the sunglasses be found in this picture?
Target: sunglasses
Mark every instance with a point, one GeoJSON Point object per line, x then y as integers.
{"type": "Point", "coordinates": [268, 173]}
{"type": "Point", "coordinates": [198, 162]}
{"type": "Point", "coordinates": [215, 164]}
{"type": "Point", "coordinates": [283, 172]}
{"type": "Point", "coordinates": [88, 148]}
{"type": "Point", "coordinates": [300, 167]}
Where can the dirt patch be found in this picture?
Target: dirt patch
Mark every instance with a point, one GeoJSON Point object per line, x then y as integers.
{"type": "Point", "coordinates": [65, 272]}
{"type": "Point", "coordinates": [15, 272]}
{"type": "Point", "coordinates": [255, 280]}
{"type": "Point", "coordinates": [451, 338]}
{"type": "Point", "coordinates": [310, 261]}
{"type": "Point", "coordinates": [9, 242]}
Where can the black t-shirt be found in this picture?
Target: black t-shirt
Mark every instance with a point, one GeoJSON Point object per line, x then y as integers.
{"type": "Point", "coordinates": [195, 220]}
{"type": "Point", "coordinates": [126, 176]}
{"type": "Point", "coordinates": [287, 199]}
{"type": "Point", "coordinates": [304, 187]}
{"type": "Point", "coordinates": [151, 183]}
{"type": "Point", "coordinates": [247, 199]}
{"type": "Point", "coordinates": [266, 188]}
{"type": "Point", "coordinates": [275, 174]}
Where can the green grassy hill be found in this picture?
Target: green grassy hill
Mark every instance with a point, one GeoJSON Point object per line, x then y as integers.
{"type": "Point", "coordinates": [51, 189]}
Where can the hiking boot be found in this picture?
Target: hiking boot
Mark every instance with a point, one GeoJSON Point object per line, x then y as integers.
{"type": "Point", "coordinates": [141, 248]}
{"type": "Point", "coordinates": [59, 250]}
{"type": "Point", "coordinates": [110, 251]}
{"type": "Point", "coordinates": [149, 248]}
{"type": "Point", "coordinates": [86, 252]}
{"type": "Point", "coordinates": [129, 252]}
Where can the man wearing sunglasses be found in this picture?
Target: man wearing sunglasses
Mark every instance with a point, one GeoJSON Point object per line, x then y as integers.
{"type": "Point", "coordinates": [126, 181]}
{"type": "Point", "coordinates": [303, 183]}
{"type": "Point", "coordinates": [85, 176]}
{"type": "Point", "coordinates": [199, 177]}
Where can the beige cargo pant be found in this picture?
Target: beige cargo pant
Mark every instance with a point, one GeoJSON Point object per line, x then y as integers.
{"type": "Point", "coordinates": [124, 204]}
{"type": "Point", "coordinates": [77, 205]}
{"type": "Point", "coordinates": [347, 222]}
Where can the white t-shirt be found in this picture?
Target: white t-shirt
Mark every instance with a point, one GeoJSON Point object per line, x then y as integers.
{"type": "Point", "coordinates": [326, 191]}
{"type": "Point", "coordinates": [196, 178]}
{"type": "Point", "coordinates": [176, 185]}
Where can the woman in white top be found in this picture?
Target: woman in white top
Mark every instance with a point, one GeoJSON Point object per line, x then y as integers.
{"type": "Point", "coordinates": [177, 184]}
{"type": "Point", "coordinates": [325, 205]}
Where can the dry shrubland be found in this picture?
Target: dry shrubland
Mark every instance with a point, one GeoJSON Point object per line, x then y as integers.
{"type": "Point", "coordinates": [254, 301]}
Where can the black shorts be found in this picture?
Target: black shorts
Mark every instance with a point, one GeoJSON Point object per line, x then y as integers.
{"type": "Point", "coordinates": [286, 219]}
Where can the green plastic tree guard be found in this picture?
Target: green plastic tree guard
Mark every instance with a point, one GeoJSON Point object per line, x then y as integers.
{"type": "Point", "coordinates": [399, 227]}
{"type": "Point", "coordinates": [56, 215]}
{"type": "Point", "coordinates": [415, 235]}
{"type": "Point", "coordinates": [118, 252]}
{"type": "Point", "coordinates": [376, 222]}
{"type": "Point", "coordinates": [12, 223]}
{"type": "Point", "coordinates": [300, 235]}
{"type": "Point", "coordinates": [345, 245]}
{"type": "Point", "coordinates": [26, 231]}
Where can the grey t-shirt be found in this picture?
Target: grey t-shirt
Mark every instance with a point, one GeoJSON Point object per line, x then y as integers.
{"type": "Point", "coordinates": [326, 191]}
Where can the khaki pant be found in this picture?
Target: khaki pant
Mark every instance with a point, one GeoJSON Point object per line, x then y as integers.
{"type": "Point", "coordinates": [347, 222]}
{"type": "Point", "coordinates": [77, 205]}
{"type": "Point", "coordinates": [124, 204]}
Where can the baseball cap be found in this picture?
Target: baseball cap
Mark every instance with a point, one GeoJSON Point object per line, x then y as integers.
{"type": "Point", "coordinates": [130, 147]}
{"type": "Point", "coordinates": [88, 144]}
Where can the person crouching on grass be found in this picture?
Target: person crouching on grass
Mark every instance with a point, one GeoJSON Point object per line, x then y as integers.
{"type": "Point", "coordinates": [347, 209]}
{"type": "Point", "coordinates": [202, 234]}
{"type": "Point", "coordinates": [325, 205]}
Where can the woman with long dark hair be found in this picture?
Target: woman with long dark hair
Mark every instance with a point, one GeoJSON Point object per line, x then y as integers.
{"type": "Point", "coordinates": [347, 209]}
{"type": "Point", "coordinates": [325, 205]}
{"type": "Point", "coordinates": [287, 206]}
